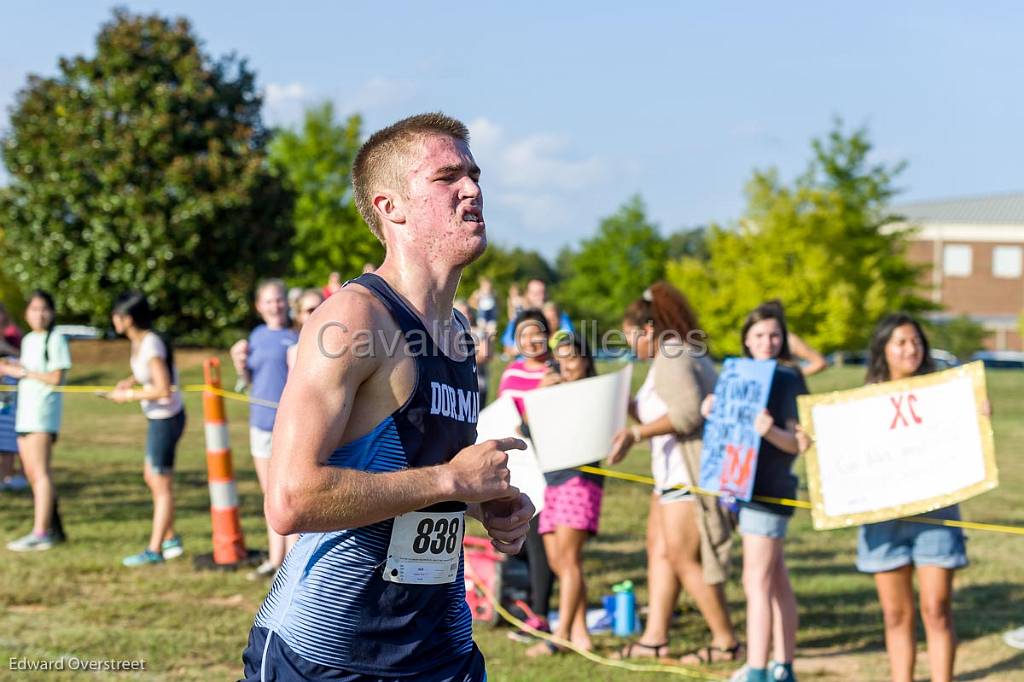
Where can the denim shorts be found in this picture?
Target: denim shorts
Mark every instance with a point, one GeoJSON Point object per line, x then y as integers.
{"type": "Point", "coordinates": [889, 545]}
{"type": "Point", "coordinates": [763, 523]}
{"type": "Point", "coordinates": [162, 442]}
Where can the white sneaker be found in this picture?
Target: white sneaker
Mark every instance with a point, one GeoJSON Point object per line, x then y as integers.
{"type": "Point", "coordinates": [263, 571]}
{"type": "Point", "coordinates": [33, 543]}
{"type": "Point", "coordinates": [1015, 638]}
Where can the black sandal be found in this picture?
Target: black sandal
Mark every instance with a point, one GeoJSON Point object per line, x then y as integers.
{"type": "Point", "coordinates": [710, 654]}
{"type": "Point", "coordinates": [627, 651]}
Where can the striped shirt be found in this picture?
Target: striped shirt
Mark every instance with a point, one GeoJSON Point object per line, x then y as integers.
{"type": "Point", "coordinates": [517, 380]}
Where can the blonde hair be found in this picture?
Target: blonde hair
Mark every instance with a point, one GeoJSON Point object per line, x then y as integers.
{"type": "Point", "coordinates": [380, 161]}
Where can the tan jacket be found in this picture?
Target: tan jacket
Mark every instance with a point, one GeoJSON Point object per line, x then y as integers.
{"type": "Point", "coordinates": [682, 381]}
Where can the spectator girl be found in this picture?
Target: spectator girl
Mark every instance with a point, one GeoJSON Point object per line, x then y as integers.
{"type": "Point", "coordinates": [152, 365]}
{"type": "Point", "coordinates": [771, 604]}
{"type": "Point", "coordinates": [572, 507]}
{"type": "Point", "coordinates": [44, 362]}
{"type": "Point", "coordinates": [262, 363]}
{"type": "Point", "coordinates": [894, 550]}
{"type": "Point", "coordinates": [533, 369]}
{"type": "Point", "coordinates": [688, 536]}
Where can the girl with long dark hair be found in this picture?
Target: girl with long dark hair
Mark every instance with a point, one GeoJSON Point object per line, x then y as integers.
{"type": "Point", "coordinates": [152, 364]}
{"type": "Point", "coordinates": [43, 365]}
{"type": "Point", "coordinates": [893, 551]}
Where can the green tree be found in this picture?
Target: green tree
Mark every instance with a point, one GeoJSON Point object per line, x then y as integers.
{"type": "Point", "coordinates": [10, 292]}
{"type": "Point", "coordinates": [818, 245]}
{"type": "Point", "coordinates": [143, 167]}
{"type": "Point", "coordinates": [614, 267]}
{"type": "Point", "coordinates": [688, 243]}
{"type": "Point", "coordinates": [506, 267]}
{"type": "Point", "coordinates": [960, 335]}
{"type": "Point", "coordinates": [316, 164]}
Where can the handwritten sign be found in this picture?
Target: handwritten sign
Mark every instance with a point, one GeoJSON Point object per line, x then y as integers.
{"type": "Point", "coordinates": [729, 458]}
{"type": "Point", "coordinates": [897, 449]}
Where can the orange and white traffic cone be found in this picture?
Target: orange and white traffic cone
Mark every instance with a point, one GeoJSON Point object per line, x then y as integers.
{"type": "Point", "coordinates": [228, 542]}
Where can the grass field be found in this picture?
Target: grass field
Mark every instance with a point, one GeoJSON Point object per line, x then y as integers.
{"type": "Point", "coordinates": [77, 600]}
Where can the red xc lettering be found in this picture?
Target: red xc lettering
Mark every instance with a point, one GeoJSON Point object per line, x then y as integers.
{"type": "Point", "coordinates": [897, 402]}
{"type": "Point", "coordinates": [737, 469]}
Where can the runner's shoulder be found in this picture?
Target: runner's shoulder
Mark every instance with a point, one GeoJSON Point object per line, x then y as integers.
{"type": "Point", "coordinates": [355, 308]}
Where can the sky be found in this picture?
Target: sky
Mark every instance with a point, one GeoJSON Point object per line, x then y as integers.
{"type": "Point", "coordinates": [574, 107]}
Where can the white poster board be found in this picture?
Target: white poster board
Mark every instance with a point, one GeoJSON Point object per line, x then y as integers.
{"type": "Point", "coordinates": [897, 449]}
{"type": "Point", "coordinates": [499, 420]}
{"type": "Point", "coordinates": [573, 424]}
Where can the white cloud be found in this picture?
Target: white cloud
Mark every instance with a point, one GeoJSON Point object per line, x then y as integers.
{"type": "Point", "coordinates": [283, 103]}
{"type": "Point", "coordinates": [536, 161]}
{"type": "Point", "coordinates": [535, 179]}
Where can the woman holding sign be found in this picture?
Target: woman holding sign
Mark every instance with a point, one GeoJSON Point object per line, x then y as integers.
{"type": "Point", "coordinates": [891, 550]}
{"type": "Point", "coordinates": [572, 509]}
{"type": "Point", "coordinates": [688, 536]}
{"type": "Point", "coordinates": [771, 604]}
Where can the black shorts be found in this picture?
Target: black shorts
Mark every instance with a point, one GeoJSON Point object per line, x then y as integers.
{"type": "Point", "coordinates": [162, 442]}
{"type": "Point", "coordinates": [269, 659]}
{"type": "Point", "coordinates": [53, 436]}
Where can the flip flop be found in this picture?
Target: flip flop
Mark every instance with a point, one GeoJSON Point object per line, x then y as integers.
{"type": "Point", "coordinates": [714, 654]}
{"type": "Point", "coordinates": [544, 648]}
{"type": "Point", "coordinates": [655, 649]}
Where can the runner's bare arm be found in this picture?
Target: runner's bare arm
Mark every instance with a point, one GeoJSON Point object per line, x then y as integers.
{"type": "Point", "coordinates": [304, 493]}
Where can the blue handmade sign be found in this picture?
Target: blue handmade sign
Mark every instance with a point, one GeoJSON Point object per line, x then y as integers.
{"type": "Point", "coordinates": [729, 459]}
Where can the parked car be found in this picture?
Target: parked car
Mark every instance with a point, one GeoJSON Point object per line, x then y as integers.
{"type": "Point", "coordinates": [1000, 359]}
{"type": "Point", "coordinates": [78, 331]}
{"type": "Point", "coordinates": [943, 359]}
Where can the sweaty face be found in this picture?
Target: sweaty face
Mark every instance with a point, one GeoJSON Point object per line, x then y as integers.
{"type": "Point", "coordinates": [764, 339]}
{"type": "Point", "coordinates": [443, 203]}
{"type": "Point", "coordinates": [904, 352]}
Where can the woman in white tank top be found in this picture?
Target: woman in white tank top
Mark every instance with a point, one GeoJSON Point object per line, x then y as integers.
{"type": "Point", "coordinates": [688, 536]}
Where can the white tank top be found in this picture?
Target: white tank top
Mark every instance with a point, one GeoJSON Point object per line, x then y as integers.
{"type": "Point", "coordinates": [666, 456]}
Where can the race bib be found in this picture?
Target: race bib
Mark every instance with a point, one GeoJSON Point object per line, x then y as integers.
{"type": "Point", "coordinates": [425, 548]}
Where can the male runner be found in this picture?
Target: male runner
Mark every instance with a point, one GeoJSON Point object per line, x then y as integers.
{"type": "Point", "coordinates": [373, 456]}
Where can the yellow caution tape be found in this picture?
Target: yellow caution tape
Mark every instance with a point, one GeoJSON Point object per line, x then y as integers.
{"type": "Point", "coordinates": [681, 670]}
{"type": "Point", "coordinates": [607, 473]}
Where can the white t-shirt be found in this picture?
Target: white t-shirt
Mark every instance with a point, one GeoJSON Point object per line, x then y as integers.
{"type": "Point", "coordinates": [152, 347]}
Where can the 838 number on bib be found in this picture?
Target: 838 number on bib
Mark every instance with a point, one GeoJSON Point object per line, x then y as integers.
{"type": "Point", "coordinates": [437, 536]}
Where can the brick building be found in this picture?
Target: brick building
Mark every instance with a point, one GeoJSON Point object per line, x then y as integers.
{"type": "Point", "coordinates": [974, 248]}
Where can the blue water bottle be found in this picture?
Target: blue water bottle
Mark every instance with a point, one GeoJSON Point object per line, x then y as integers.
{"type": "Point", "coordinates": [624, 620]}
